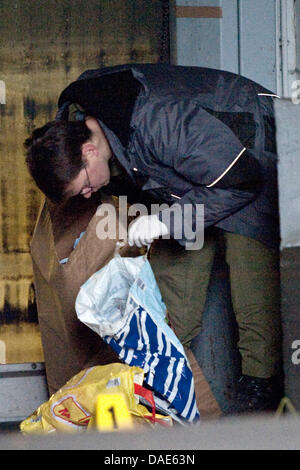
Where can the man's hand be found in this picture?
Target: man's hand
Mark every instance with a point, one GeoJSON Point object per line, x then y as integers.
{"type": "Point", "coordinates": [145, 229]}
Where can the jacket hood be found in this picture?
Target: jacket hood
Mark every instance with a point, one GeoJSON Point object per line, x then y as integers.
{"type": "Point", "coordinates": [109, 98]}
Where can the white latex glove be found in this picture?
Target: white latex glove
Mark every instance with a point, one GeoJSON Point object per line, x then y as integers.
{"type": "Point", "coordinates": [145, 229]}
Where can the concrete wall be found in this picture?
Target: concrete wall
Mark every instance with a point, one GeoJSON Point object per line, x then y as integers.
{"type": "Point", "coordinates": [288, 145]}
{"type": "Point", "coordinates": [297, 23]}
{"type": "Point", "coordinates": [46, 44]}
{"type": "Point", "coordinates": [235, 35]}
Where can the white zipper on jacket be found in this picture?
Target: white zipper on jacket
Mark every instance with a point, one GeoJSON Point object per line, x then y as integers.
{"type": "Point", "coordinates": [227, 169]}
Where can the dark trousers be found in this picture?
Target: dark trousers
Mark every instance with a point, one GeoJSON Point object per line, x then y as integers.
{"type": "Point", "coordinates": [183, 278]}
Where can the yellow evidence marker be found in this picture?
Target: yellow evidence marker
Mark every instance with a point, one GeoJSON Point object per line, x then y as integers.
{"type": "Point", "coordinates": [112, 413]}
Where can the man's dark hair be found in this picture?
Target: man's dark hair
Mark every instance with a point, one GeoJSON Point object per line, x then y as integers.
{"type": "Point", "coordinates": [53, 155]}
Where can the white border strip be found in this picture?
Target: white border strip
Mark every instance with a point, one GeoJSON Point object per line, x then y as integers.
{"type": "Point", "coordinates": [227, 169]}
{"type": "Point", "coordinates": [2, 352]}
{"type": "Point", "coordinates": [268, 94]}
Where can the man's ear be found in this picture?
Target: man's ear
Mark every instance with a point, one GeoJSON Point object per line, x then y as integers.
{"type": "Point", "coordinates": [88, 150]}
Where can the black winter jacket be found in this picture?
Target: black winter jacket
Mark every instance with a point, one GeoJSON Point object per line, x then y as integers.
{"type": "Point", "coordinates": [189, 135]}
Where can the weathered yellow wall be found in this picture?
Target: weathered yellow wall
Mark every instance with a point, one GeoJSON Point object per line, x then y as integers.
{"type": "Point", "coordinates": [44, 45]}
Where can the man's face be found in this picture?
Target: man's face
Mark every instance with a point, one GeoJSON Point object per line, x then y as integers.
{"type": "Point", "coordinates": [96, 154]}
{"type": "Point", "coordinates": [90, 179]}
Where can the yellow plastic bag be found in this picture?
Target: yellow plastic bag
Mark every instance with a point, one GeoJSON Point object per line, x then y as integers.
{"type": "Point", "coordinates": [73, 407]}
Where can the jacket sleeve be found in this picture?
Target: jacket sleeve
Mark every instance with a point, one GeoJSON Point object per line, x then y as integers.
{"type": "Point", "coordinates": [223, 175]}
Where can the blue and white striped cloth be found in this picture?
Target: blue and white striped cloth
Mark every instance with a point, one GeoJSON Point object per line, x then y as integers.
{"type": "Point", "coordinates": [123, 304]}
